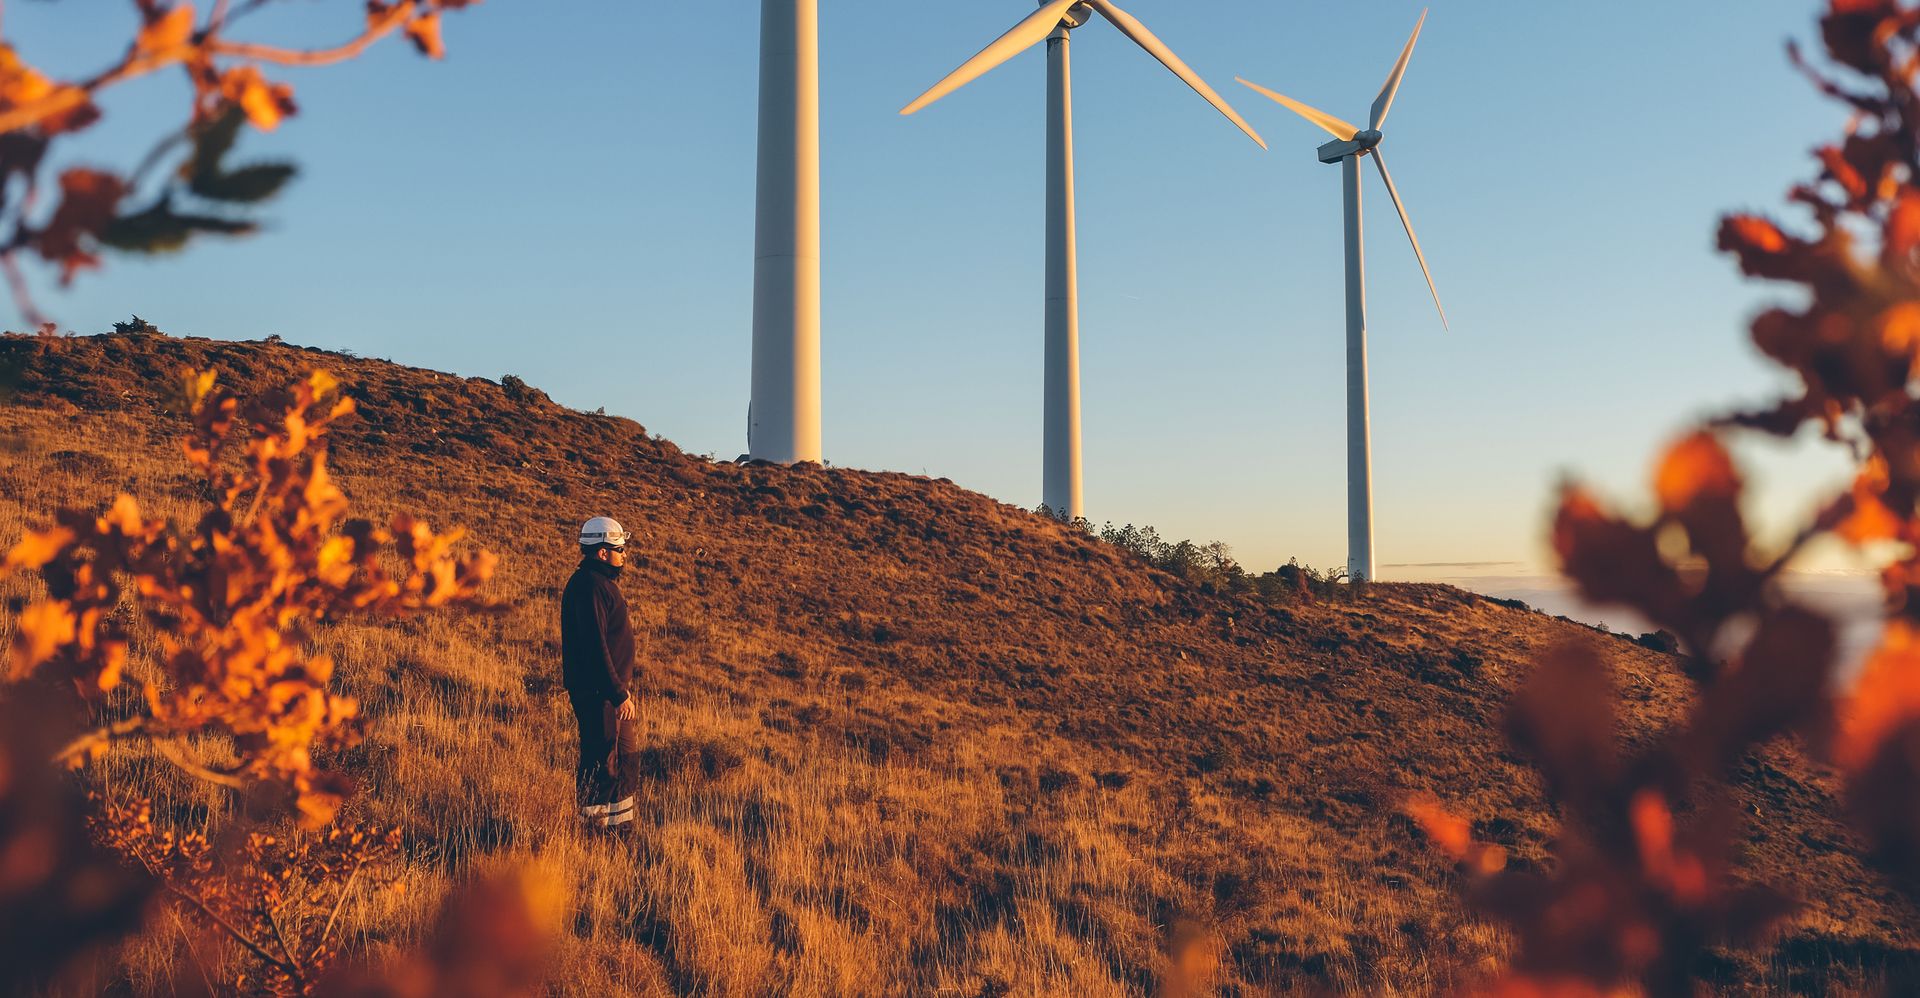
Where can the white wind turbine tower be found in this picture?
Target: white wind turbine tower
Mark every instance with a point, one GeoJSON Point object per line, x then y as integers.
{"type": "Point", "coordinates": [783, 415]}
{"type": "Point", "coordinates": [1349, 146]}
{"type": "Point", "coordinates": [1061, 483]}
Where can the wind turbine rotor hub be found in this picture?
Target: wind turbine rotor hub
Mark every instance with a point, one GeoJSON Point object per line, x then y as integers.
{"type": "Point", "coordinates": [1369, 138]}
{"type": "Point", "coordinates": [1076, 15]}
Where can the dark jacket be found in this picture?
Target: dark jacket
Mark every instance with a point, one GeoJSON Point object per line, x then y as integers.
{"type": "Point", "coordinates": [596, 639]}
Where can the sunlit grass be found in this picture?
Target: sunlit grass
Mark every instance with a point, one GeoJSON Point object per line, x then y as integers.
{"type": "Point", "coordinates": [880, 766]}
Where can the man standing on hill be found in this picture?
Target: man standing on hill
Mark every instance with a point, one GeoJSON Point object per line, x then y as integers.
{"type": "Point", "coordinates": [596, 659]}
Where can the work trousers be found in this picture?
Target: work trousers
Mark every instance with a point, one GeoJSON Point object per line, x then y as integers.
{"type": "Point", "coordinates": [606, 777]}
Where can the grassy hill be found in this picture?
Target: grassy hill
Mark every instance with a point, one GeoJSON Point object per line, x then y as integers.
{"type": "Point", "coordinates": [905, 739]}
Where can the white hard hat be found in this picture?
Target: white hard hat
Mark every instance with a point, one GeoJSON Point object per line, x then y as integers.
{"type": "Point", "coordinates": [603, 530]}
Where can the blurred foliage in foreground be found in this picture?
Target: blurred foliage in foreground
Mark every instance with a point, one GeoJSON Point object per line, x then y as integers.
{"type": "Point", "coordinates": [68, 219]}
{"type": "Point", "coordinates": [231, 600]}
{"type": "Point", "coordinates": [1642, 886]}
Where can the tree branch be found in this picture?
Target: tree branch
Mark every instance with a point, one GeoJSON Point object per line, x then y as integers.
{"type": "Point", "coordinates": [131, 727]}
{"type": "Point", "coordinates": [174, 750]}
{"type": "Point", "coordinates": [17, 284]}
{"type": "Point", "coordinates": [69, 97]}
{"type": "Point", "coordinates": [215, 27]}
{"type": "Point", "coordinates": [292, 965]}
{"type": "Point", "coordinates": [135, 64]}
{"type": "Point", "coordinates": [154, 156]}
{"type": "Point", "coordinates": [376, 29]}
{"type": "Point", "coordinates": [228, 927]}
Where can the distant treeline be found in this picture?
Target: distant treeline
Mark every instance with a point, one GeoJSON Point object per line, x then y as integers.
{"type": "Point", "coordinates": [1212, 564]}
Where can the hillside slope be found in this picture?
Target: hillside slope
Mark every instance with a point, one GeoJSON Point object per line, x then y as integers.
{"type": "Point", "coordinates": [906, 739]}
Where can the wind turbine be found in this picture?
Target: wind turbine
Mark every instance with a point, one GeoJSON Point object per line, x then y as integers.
{"type": "Point", "coordinates": [1060, 479]}
{"type": "Point", "coordinates": [783, 416]}
{"type": "Point", "coordinates": [1349, 145]}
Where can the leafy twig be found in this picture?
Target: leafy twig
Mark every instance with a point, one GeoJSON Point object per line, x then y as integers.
{"type": "Point", "coordinates": [229, 928]}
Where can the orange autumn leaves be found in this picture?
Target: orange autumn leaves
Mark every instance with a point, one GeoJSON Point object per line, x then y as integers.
{"type": "Point", "coordinates": [264, 103]}
{"type": "Point", "coordinates": [228, 76]}
{"type": "Point", "coordinates": [1854, 347]}
{"type": "Point", "coordinates": [273, 894]}
{"type": "Point", "coordinates": [170, 35]}
{"type": "Point", "coordinates": [1885, 700]}
{"type": "Point", "coordinates": [20, 84]}
{"type": "Point", "coordinates": [1640, 884]}
{"type": "Point", "coordinates": [1695, 470]}
{"type": "Point", "coordinates": [424, 33]}
{"type": "Point", "coordinates": [1687, 569]}
{"type": "Point", "coordinates": [232, 601]}
{"type": "Point", "coordinates": [233, 597]}
{"type": "Point", "coordinates": [1864, 336]}
{"type": "Point", "coordinates": [165, 31]}
{"type": "Point", "coordinates": [87, 202]}
{"type": "Point", "coordinates": [56, 107]}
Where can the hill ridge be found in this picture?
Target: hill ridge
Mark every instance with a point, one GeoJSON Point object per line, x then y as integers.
{"type": "Point", "coordinates": [1059, 749]}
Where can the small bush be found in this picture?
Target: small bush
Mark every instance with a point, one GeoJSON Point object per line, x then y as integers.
{"type": "Point", "coordinates": [1661, 640]}
{"type": "Point", "coordinates": [235, 599]}
{"type": "Point", "coordinates": [1213, 565]}
{"type": "Point", "coordinates": [136, 326]}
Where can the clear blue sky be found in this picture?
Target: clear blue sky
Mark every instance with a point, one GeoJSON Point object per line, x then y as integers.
{"type": "Point", "coordinates": [569, 198]}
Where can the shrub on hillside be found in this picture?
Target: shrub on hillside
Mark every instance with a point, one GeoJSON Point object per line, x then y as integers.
{"type": "Point", "coordinates": [1660, 640]}
{"type": "Point", "coordinates": [521, 393]}
{"type": "Point", "coordinates": [231, 601]}
{"type": "Point", "coordinates": [1213, 566]}
{"type": "Point", "coordinates": [232, 597]}
{"type": "Point", "coordinates": [136, 326]}
{"type": "Point", "coordinates": [277, 896]}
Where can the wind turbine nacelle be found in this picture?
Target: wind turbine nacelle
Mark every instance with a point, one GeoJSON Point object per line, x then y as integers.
{"type": "Point", "coordinates": [1339, 149]}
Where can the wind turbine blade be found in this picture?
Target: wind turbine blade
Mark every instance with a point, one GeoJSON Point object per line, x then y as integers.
{"type": "Point", "coordinates": [1023, 36]}
{"type": "Point", "coordinates": [1384, 103]}
{"type": "Point", "coordinates": [1339, 129]}
{"type": "Point", "coordinates": [1406, 222]}
{"type": "Point", "coordinates": [1158, 49]}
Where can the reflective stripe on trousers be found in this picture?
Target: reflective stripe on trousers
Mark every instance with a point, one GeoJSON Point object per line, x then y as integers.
{"type": "Point", "coordinates": [608, 815]}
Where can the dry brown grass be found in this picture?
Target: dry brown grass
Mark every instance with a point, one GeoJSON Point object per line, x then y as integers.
{"type": "Point", "coordinates": [902, 739]}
